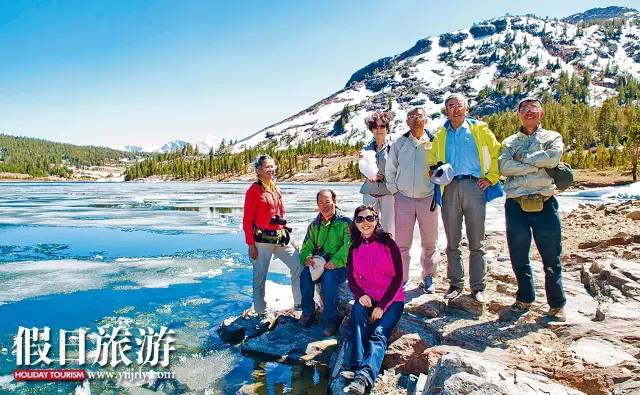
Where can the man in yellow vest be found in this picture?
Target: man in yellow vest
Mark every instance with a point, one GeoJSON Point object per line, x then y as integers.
{"type": "Point", "coordinates": [472, 151]}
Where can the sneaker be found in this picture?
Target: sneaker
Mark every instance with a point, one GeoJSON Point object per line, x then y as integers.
{"type": "Point", "coordinates": [557, 313]}
{"type": "Point", "coordinates": [331, 328]}
{"type": "Point", "coordinates": [307, 320]}
{"type": "Point", "coordinates": [479, 296]}
{"type": "Point", "coordinates": [347, 374]}
{"type": "Point", "coordinates": [452, 293]}
{"type": "Point", "coordinates": [357, 386]}
{"type": "Point", "coordinates": [427, 284]}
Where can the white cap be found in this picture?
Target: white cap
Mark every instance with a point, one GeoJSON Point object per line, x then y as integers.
{"type": "Point", "coordinates": [443, 175]}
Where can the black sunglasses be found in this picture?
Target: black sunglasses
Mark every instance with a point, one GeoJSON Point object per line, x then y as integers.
{"type": "Point", "coordinates": [370, 218]}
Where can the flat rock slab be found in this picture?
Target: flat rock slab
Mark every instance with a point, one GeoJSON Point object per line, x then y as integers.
{"type": "Point", "coordinates": [427, 306]}
{"type": "Point", "coordinates": [467, 303]}
{"type": "Point", "coordinates": [599, 353]}
{"type": "Point", "coordinates": [291, 343]}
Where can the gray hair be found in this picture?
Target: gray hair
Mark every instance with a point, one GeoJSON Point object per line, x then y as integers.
{"type": "Point", "coordinates": [414, 109]}
{"type": "Point", "coordinates": [261, 159]}
{"type": "Point", "coordinates": [458, 96]}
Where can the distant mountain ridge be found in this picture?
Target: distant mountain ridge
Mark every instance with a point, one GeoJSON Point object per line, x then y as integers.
{"type": "Point", "coordinates": [595, 14]}
{"type": "Point", "coordinates": [493, 62]}
{"type": "Point", "coordinates": [203, 146]}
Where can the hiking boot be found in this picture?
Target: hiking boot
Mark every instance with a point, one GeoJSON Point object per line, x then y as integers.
{"type": "Point", "coordinates": [358, 386]}
{"type": "Point", "coordinates": [427, 284]}
{"type": "Point", "coordinates": [479, 296]}
{"type": "Point", "coordinates": [453, 292]}
{"type": "Point", "coordinates": [307, 320]}
{"type": "Point", "coordinates": [557, 313]}
{"type": "Point", "coordinates": [514, 311]}
{"type": "Point", "coordinates": [331, 328]}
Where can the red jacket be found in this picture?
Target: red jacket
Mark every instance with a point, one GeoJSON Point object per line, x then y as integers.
{"type": "Point", "coordinates": [259, 207]}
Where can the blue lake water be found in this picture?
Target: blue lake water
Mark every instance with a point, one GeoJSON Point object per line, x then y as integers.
{"type": "Point", "coordinates": [83, 255]}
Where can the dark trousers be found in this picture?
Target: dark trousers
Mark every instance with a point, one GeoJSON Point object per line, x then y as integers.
{"type": "Point", "coordinates": [329, 281]}
{"type": "Point", "coordinates": [547, 235]}
{"type": "Point", "coordinates": [369, 339]}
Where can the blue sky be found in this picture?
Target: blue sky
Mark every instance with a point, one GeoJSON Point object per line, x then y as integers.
{"type": "Point", "coordinates": [145, 72]}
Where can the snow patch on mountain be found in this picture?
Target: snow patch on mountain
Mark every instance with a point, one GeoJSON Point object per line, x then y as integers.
{"type": "Point", "coordinates": [507, 50]}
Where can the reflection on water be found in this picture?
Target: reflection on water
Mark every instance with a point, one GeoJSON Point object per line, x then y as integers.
{"type": "Point", "coordinates": [76, 255]}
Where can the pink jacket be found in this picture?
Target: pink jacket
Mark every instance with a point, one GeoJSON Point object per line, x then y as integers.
{"type": "Point", "coordinates": [375, 269]}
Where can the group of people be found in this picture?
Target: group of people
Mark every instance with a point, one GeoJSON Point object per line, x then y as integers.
{"type": "Point", "coordinates": [421, 177]}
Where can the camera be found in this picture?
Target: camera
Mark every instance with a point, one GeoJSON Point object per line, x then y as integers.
{"type": "Point", "coordinates": [319, 251]}
{"type": "Point", "coordinates": [438, 171]}
{"type": "Point", "coordinates": [277, 220]}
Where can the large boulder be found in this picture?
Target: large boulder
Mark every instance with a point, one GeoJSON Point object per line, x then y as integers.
{"type": "Point", "coordinates": [291, 343]}
{"type": "Point", "coordinates": [425, 305]}
{"type": "Point", "coordinates": [467, 303]}
{"type": "Point", "coordinates": [235, 330]}
{"type": "Point", "coordinates": [407, 354]}
{"type": "Point", "coordinates": [464, 383]}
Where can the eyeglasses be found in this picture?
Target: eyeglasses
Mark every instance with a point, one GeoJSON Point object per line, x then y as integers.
{"type": "Point", "coordinates": [528, 109]}
{"type": "Point", "coordinates": [370, 218]}
{"type": "Point", "coordinates": [454, 106]}
{"type": "Point", "coordinates": [414, 115]}
{"type": "Point", "coordinates": [374, 127]}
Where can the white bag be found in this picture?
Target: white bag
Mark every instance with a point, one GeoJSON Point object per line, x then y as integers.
{"type": "Point", "coordinates": [367, 163]}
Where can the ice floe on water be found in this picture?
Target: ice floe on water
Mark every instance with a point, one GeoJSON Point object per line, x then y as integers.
{"type": "Point", "coordinates": [630, 191]}
{"type": "Point", "coordinates": [22, 280]}
{"type": "Point", "coordinates": [203, 372]}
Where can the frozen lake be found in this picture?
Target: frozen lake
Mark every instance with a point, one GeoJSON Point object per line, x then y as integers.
{"type": "Point", "coordinates": [82, 255]}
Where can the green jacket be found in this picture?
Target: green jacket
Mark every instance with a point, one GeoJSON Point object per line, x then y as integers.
{"type": "Point", "coordinates": [488, 149]}
{"type": "Point", "coordinates": [333, 237]}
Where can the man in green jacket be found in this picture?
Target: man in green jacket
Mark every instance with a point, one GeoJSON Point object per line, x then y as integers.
{"type": "Point", "coordinates": [327, 237]}
{"type": "Point", "coordinates": [472, 151]}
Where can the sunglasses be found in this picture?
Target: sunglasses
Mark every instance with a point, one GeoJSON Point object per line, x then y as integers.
{"type": "Point", "coordinates": [369, 218]}
{"type": "Point", "coordinates": [525, 110]}
{"type": "Point", "coordinates": [373, 127]}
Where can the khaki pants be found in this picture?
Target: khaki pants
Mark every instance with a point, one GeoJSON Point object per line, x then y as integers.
{"type": "Point", "coordinates": [384, 205]}
{"type": "Point", "coordinates": [463, 199]}
{"type": "Point", "coordinates": [407, 211]}
{"type": "Point", "coordinates": [287, 254]}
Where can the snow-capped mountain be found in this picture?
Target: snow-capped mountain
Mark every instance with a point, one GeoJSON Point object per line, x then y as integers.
{"type": "Point", "coordinates": [518, 54]}
{"type": "Point", "coordinates": [133, 148]}
{"type": "Point", "coordinates": [203, 146]}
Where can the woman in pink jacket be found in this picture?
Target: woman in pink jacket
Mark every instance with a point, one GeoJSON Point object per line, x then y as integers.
{"type": "Point", "coordinates": [374, 269]}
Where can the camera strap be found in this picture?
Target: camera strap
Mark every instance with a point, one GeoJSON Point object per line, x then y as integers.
{"type": "Point", "coordinates": [273, 196]}
{"type": "Point", "coordinates": [326, 236]}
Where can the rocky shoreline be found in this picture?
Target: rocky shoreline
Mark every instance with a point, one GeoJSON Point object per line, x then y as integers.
{"type": "Point", "coordinates": [462, 346]}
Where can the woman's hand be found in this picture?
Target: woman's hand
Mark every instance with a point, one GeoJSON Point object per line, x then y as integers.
{"type": "Point", "coordinates": [329, 265]}
{"type": "Point", "coordinates": [376, 314]}
{"type": "Point", "coordinates": [365, 300]}
{"type": "Point", "coordinates": [253, 252]}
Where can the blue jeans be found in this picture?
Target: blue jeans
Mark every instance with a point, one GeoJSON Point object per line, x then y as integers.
{"type": "Point", "coordinates": [547, 235]}
{"type": "Point", "coordinates": [369, 340]}
{"type": "Point", "coordinates": [329, 281]}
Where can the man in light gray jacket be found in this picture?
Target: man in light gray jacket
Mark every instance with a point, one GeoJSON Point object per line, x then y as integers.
{"type": "Point", "coordinates": [407, 179]}
{"type": "Point", "coordinates": [531, 207]}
